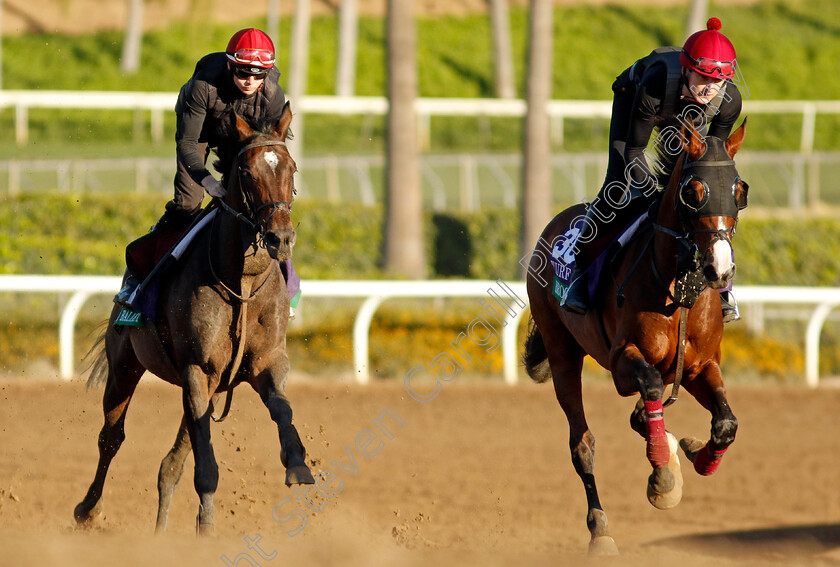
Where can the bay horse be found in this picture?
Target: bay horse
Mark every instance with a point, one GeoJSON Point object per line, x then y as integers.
{"type": "Point", "coordinates": [221, 319]}
{"type": "Point", "coordinates": [636, 331]}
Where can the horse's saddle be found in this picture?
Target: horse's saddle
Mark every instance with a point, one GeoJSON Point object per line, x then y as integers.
{"type": "Point", "coordinates": [150, 256]}
{"type": "Point", "coordinates": [563, 257]}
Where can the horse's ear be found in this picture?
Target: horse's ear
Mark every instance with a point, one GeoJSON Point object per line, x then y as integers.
{"type": "Point", "coordinates": [282, 129]}
{"type": "Point", "coordinates": [693, 142]}
{"type": "Point", "coordinates": [243, 130]}
{"type": "Point", "coordinates": [734, 141]}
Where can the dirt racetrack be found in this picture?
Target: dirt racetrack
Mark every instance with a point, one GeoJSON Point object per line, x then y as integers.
{"type": "Point", "coordinates": [480, 475]}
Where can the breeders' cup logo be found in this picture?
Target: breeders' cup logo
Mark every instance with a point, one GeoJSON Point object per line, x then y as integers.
{"type": "Point", "coordinates": [563, 254]}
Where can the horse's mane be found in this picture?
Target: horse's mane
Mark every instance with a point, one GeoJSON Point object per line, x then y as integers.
{"type": "Point", "coordinates": [230, 143]}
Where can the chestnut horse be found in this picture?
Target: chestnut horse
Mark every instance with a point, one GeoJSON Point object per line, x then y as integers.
{"type": "Point", "coordinates": [635, 330]}
{"type": "Point", "coordinates": [221, 319]}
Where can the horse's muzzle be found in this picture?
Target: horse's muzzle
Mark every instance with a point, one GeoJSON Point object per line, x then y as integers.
{"type": "Point", "coordinates": [719, 264]}
{"type": "Point", "coordinates": [717, 280]}
{"type": "Point", "coordinates": [279, 243]}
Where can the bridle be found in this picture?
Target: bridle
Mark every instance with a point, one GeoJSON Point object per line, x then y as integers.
{"type": "Point", "coordinates": [686, 210]}
{"type": "Point", "coordinates": [250, 216]}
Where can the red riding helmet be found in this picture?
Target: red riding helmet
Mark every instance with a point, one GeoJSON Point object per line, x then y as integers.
{"type": "Point", "coordinates": [251, 48]}
{"type": "Point", "coordinates": [709, 52]}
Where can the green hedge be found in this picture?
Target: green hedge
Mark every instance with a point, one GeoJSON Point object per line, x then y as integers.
{"type": "Point", "coordinates": [60, 234]}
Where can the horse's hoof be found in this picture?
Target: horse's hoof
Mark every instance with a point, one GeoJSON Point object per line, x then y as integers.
{"type": "Point", "coordinates": [299, 475]}
{"type": "Point", "coordinates": [602, 546]}
{"type": "Point", "coordinates": [205, 530]}
{"type": "Point", "coordinates": [691, 446]}
{"type": "Point", "coordinates": [665, 484]}
{"type": "Point", "coordinates": [84, 515]}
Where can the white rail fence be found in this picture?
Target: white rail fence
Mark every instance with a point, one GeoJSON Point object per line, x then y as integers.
{"type": "Point", "coordinates": [374, 293]}
{"type": "Point", "coordinates": [159, 102]}
{"type": "Point", "coordinates": [466, 182]}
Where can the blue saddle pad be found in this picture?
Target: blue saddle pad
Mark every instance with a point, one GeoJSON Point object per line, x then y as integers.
{"type": "Point", "coordinates": [562, 258]}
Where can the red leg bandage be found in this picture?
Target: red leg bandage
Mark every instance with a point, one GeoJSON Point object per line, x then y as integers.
{"type": "Point", "coordinates": [657, 442]}
{"type": "Point", "coordinates": [707, 460]}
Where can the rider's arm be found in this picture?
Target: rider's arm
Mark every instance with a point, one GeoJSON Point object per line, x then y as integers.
{"type": "Point", "coordinates": [642, 120]}
{"type": "Point", "coordinates": [191, 111]}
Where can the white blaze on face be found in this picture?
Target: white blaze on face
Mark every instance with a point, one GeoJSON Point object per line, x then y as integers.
{"type": "Point", "coordinates": [272, 160]}
{"type": "Point", "coordinates": [722, 257]}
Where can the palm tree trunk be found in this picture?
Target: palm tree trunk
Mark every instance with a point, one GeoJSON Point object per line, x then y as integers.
{"type": "Point", "coordinates": [536, 183]}
{"type": "Point", "coordinates": [299, 71]}
{"type": "Point", "coordinates": [272, 22]}
{"type": "Point", "coordinates": [502, 52]}
{"type": "Point", "coordinates": [130, 60]}
{"type": "Point", "coordinates": [696, 16]}
{"type": "Point", "coordinates": [404, 253]}
{"type": "Point", "coordinates": [345, 78]}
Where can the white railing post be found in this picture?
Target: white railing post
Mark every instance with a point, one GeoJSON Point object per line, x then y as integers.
{"type": "Point", "coordinates": [812, 343]}
{"type": "Point", "coordinates": [21, 124]}
{"type": "Point", "coordinates": [66, 333]}
{"type": "Point", "coordinates": [361, 337]}
{"type": "Point", "coordinates": [809, 120]}
{"type": "Point", "coordinates": [510, 352]}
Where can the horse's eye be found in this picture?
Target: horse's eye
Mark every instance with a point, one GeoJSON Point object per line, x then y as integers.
{"type": "Point", "coordinates": [694, 194]}
{"type": "Point", "coordinates": [740, 191]}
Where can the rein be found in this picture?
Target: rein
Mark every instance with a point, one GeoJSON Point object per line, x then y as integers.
{"type": "Point", "coordinates": [247, 294]}
{"type": "Point", "coordinates": [241, 217]}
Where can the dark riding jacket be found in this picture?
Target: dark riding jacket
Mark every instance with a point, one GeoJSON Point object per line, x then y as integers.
{"type": "Point", "coordinates": [204, 103]}
{"type": "Point", "coordinates": [656, 103]}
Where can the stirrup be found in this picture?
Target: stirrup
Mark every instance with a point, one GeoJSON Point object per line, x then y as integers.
{"type": "Point", "coordinates": [125, 295]}
{"type": "Point", "coordinates": [729, 307]}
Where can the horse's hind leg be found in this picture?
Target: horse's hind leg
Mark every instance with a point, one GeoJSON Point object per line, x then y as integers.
{"type": "Point", "coordinates": [124, 372]}
{"type": "Point", "coordinates": [171, 469]}
{"type": "Point", "coordinates": [708, 389]}
{"type": "Point", "coordinates": [566, 360]}
{"type": "Point", "coordinates": [270, 385]}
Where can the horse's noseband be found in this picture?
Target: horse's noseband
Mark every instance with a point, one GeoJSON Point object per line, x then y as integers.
{"type": "Point", "coordinates": [253, 212]}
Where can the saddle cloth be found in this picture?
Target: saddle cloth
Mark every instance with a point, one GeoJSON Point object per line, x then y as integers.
{"type": "Point", "coordinates": [562, 258]}
{"type": "Point", "coordinates": [160, 251]}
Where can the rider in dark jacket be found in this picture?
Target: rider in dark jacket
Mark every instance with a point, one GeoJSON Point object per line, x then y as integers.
{"type": "Point", "coordinates": [244, 80]}
{"type": "Point", "coordinates": [671, 85]}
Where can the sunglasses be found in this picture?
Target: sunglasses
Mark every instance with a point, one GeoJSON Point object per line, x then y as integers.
{"type": "Point", "coordinates": [717, 69]}
{"type": "Point", "coordinates": [246, 73]}
{"type": "Point", "coordinates": [250, 56]}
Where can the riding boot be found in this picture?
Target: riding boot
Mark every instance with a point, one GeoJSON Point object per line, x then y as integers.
{"type": "Point", "coordinates": [130, 284]}
{"type": "Point", "coordinates": [729, 307]}
{"type": "Point", "coordinates": [600, 229]}
{"type": "Point", "coordinates": [577, 297]}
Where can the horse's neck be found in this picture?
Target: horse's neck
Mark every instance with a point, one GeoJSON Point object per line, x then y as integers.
{"type": "Point", "coordinates": [238, 257]}
{"type": "Point", "coordinates": [666, 246]}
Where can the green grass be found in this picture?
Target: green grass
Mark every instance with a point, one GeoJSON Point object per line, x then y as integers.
{"type": "Point", "coordinates": [785, 50]}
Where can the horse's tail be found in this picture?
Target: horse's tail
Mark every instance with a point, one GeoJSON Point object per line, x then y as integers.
{"type": "Point", "coordinates": [536, 357]}
{"type": "Point", "coordinates": [97, 360]}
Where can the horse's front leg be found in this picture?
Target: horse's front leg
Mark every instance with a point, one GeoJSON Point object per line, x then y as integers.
{"type": "Point", "coordinates": [270, 384]}
{"type": "Point", "coordinates": [197, 410]}
{"type": "Point", "coordinates": [709, 390]}
{"type": "Point", "coordinates": [632, 373]}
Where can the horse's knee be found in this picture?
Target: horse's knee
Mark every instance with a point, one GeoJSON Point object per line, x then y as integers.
{"type": "Point", "coordinates": [650, 383]}
{"type": "Point", "coordinates": [723, 431]}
